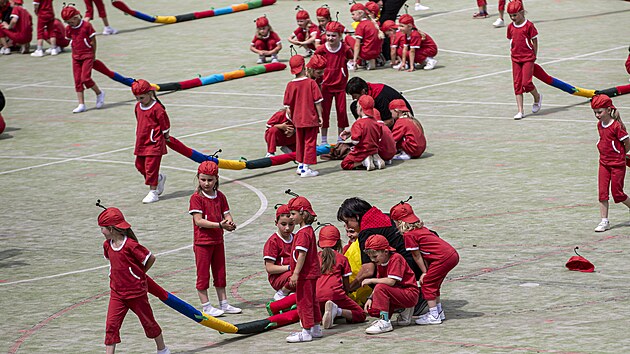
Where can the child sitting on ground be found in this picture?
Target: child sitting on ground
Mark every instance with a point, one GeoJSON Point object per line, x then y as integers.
{"type": "Point", "coordinates": [280, 132]}
{"type": "Point", "coordinates": [407, 132]}
{"type": "Point", "coordinates": [306, 33]}
{"type": "Point", "coordinates": [266, 42]}
{"type": "Point", "coordinates": [365, 134]}
{"type": "Point", "coordinates": [277, 253]}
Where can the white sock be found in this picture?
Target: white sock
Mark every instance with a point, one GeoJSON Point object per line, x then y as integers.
{"type": "Point", "coordinates": [324, 140]}
{"type": "Point", "coordinates": [604, 219]}
{"type": "Point", "coordinates": [280, 292]}
{"type": "Point", "coordinates": [206, 304]}
{"type": "Point", "coordinates": [315, 328]}
{"type": "Point", "coordinates": [306, 331]}
{"type": "Point", "coordinates": [39, 47]}
{"type": "Point", "coordinates": [439, 307]}
{"type": "Point", "coordinates": [339, 311]}
{"type": "Point", "coordinates": [434, 312]}
{"type": "Point", "coordinates": [223, 303]}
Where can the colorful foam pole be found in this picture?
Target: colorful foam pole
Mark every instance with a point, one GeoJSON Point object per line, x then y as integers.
{"type": "Point", "coordinates": [194, 15]}
{"type": "Point", "coordinates": [272, 322]}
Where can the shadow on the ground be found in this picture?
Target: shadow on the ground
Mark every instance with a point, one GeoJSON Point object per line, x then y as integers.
{"type": "Point", "coordinates": [453, 310]}
{"type": "Point", "coordinates": [10, 253]}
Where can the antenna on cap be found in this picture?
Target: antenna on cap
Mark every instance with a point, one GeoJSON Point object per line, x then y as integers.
{"type": "Point", "coordinates": [298, 8]}
{"type": "Point", "coordinates": [337, 16]}
{"type": "Point", "coordinates": [321, 225]}
{"type": "Point", "coordinates": [405, 201]}
{"type": "Point", "coordinates": [288, 191]}
{"type": "Point", "coordinates": [406, 9]}
{"type": "Point", "coordinates": [98, 204]}
{"type": "Point", "coordinates": [277, 206]}
{"type": "Point", "coordinates": [216, 153]}
{"type": "Point", "coordinates": [292, 50]}
{"type": "Point", "coordinates": [575, 250]}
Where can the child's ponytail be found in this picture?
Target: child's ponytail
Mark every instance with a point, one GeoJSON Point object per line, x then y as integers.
{"type": "Point", "coordinates": [125, 232]}
{"type": "Point", "coordinates": [328, 260]}
{"type": "Point", "coordinates": [158, 100]}
{"type": "Point", "coordinates": [614, 113]}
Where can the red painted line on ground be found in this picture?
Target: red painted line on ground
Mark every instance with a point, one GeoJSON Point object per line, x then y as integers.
{"type": "Point", "coordinates": [235, 286]}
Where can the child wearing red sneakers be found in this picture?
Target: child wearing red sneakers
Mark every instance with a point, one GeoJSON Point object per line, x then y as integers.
{"type": "Point", "coordinates": [18, 32]}
{"type": "Point", "coordinates": [83, 38]}
{"type": "Point", "coordinates": [323, 18]}
{"type": "Point", "coordinates": [365, 135]}
{"type": "Point", "coordinates": [395, 284]}
{"type": "Point", "coordinates": [129, 263]}
{"type": "Point", "coordinates": [524, 46]}
{"type": "Point", "coordinates": [211, 215]}
{"type": "Point", "coordinates": [407, 132]}
{"type": "Point", "coordinates": [266, 42]}
{"type": "Point", "coordinates": [303, 99]}
{"type": "Point", "coordinates": [367, 44]}
{"type": "Point", "coordinates": [333, 284]}
{"type": "Point", "coordinates": [277, 253]}
{"type": "Point", "coordinates": [433, 255]}
{"type": "Point", "coordinates": [280, 132]}
{"type": "Point", "coordinates": [419, 48]}
{"type": "Point", "coordinates": [306, 33]}
{"type": "Point", "coordinates": [306, 270]}
{"type": "Point", "coordinates": [152, 132]}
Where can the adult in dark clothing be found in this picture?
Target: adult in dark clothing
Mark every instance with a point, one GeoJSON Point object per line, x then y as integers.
{"type": "Point", "coordinates": [389, 11]}
{"type": "Point", "coordinates": [381, 93]}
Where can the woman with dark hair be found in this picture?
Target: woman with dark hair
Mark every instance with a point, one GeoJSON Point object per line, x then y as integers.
{"type": "Point", "coordinates": [381, 93]}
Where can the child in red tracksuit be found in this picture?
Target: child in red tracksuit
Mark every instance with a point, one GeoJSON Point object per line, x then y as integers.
{"type": "Point", "coordinates": [524, 46]}
{"type": "Point", "coordinates": [266, 42]}
{"type": "Point", "coordinates": [305, 266]}
{"type": "Point", "coordinates": [419, 48]}
{"type": "Point", "coordinates": [332, 285]}
{"type": "Point", "coordinates": [152, 131]}
{"type": "Point", "coordinates": [407, 132]}
{"type": "Point", "coordinates": [323, 18]}
{"type": "Point", "coordinates": [277, 254]}
{"type": "Point", "coordinates": [306, 33]}
{"type": "Point", "coordinates": [433, 255]}
{"type": "Point", "coordinates": [613, 144]}
{"type": "Point", "coordinates": [83, 38]}
{"type": "Point", "coordinates": [280, 132]}
{"type": "Point", "coordinates": [365, 134]}
{"type": "Point", "coordinates": [18, 32]}
{"type": "Point", "coordinates": [129, 262]}
{"type": "Point", "coordinates": [45, 19]}
{"type": "Point", "coordinates": [89, 15]}
{"type": "Point", "coordinates": [367, 44]}
{"type": "Point", "coordinates": [395, 284]}
{"type": "Point", "coordinates": [337, 55]}
{"type": "Point", "coordinates": [211, 215]}
{"type": "Point", "coordinates": [303, 99]}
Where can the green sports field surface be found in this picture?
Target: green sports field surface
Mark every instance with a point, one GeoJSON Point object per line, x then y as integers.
{"type": "Point", "coordinates": [513, 197]}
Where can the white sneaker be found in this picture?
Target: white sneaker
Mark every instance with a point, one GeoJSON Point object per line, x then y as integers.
{"type": "Point", "coordinates": [80, 108]}
{"type": "Point", "coordinates": [519, 116]}
{"type": "Point", "coordinates": [261, 59]}
{"type": "Point", "coordinates": [212, 311]}
{"type": "Point", "coordinates": [498, 23]}
{"type": "Point", "coordinates": [300, 169]}
{"type": "Point", "coordinates": [442, 316]}
{"type": "Point", "coordinates": [397, 66]}
{"type": "Point", "coordinates": [420, 7]}
{"type": "Point", "coordinates": [55, 51]}
{"type": "Point", "coordinates": [537, 105]}
{"type": "Point", "coordinates": [100, 101]}
{"type": "Point", "coordinates": [603, 226]}
{"type": "Point", "coordinates": [152, 197]}
{"type": "Point", "coordinates": [428, 319]}
{"type": "Point", "coordinates": [38, 53]}
{"type": "Point", "coordinates": [309, 173]}
{"type": "Point", "coordinates": [269, 154]}
{"type": "Point", "coordinates": [404, 318]}
{"type": "Point", "coordinates": [164, 351]}
{"type": "Point", "coordinates": [229, 309]}
{"type": "Point", "coordinates": [285, 149]}
{"type": "Point", "coordinates": [274, 58]}
{"type": "Point", "coordinates": [379, 163]}
{"type": "Point", "coordinates": [47, 51]}
{"type": "Point", "coordinates": [316, 331]}
{"type": "Point", "coordinates": [297, 337]}
{"type": "Point", "coordinates": [330, 312]}
{"type": "Point", "coordinates": [431, 63]}
{"type": "Point", "coordinates": [278, 296]}
{"type": "Point", "coordinates": [368, 163]}
{"type": "Point", "coordinates": [109, 31]}
{"type": "Point", "coordinates": [401, 156]}
{"type": "Point", "coordinates": [379, 326]}
{"type": "Point", "coordinates": [161, 182]}
{"type": "Point", "coordinates": [5, 51]}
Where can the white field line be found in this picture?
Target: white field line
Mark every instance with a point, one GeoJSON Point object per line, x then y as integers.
{"type": "Point", "coordinates": [26, 85]}
{"type": "Point", "coordinates": [507, 56]}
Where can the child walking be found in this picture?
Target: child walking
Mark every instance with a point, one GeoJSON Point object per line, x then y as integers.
{"type": "Point", "coordinates": [524, 47]}
{"type": "Point", "coordinates": [306, 270]}
{"type": "Point", "coordinates": [333, 284]}
{"type": "Point", "coordinates": [266, 42]}
{"type": "Point", "coordinates": [89, 15]}
{"type": "Point", "coordinates": [395, 285]}
{"type": "Point", "coordinates": [303, 99]}
{"type": "Point", "coordinates": [433, 255]}
{"type": "Point", "coordinates": [83, 38]}
{"type": "Point", "coordinates": [152, 132]}
{"type": "Point", "coordinates": [277, 254]}
{"type": "Point", "coordinates": [211, 215]}
{"type": "Point", "coordinates": [129, 263]}
{"type": "Point", "coordinates": [407, 131]}
{"type": "Point", "coordinates": [613, 145]}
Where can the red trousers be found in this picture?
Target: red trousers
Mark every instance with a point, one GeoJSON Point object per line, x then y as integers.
{"type": "Point", "coordinates": [421, 54]}
{"type": "Point", "coordinates": [307, 305]}
{"type": "Point", "coordinates": [82, 71]}
{"type": "Point", "coordinates": [387, 145]}
{"type": "Point", "coordinates": [276, 137]}
{"type": "Point", "coordinates": [340, 106]}
{"type": "Point", "coordinates": [522, 75]}
{"type": "Point", "coordinates": [484, 3]}
{"type": "Point", "coordinates": [611, 177]}
{"type": "Point", "coordinates": [265, 44]}
{"type": "Point", "coordinates": [348, 162]}
{"type": "Point", "coordinates": [389, 298]}
{"type": "Point", "coordinates": [279, 281]}
{"type": "Point", "coordinates": [414, 148]}
{"type": "Point", "coordinates": [210, 257]}
{"type": "Point", "coordinates": [306, 145]}
{"type": "Point", "coordinates": [117, 310]}
{"type": "Point", "coordinates": [436, 273]}
{"type": "Point", "coordinates": [89, 8]}
{"type": "Point", "coordinates": [149, 167]}
{"type": "Point", "coordinates": [358, 315]}
{"type": "Point", "coordinates": [46, 21]}
{"type": "Point", "coordinates": [18, 38]}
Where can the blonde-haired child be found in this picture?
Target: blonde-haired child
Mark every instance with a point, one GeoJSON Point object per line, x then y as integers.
{"type": "Point", "coordinates": [266, 42]}
{"type": "Point", "coordinates": [277, 253]}
{"type": "Point", "coordinates": [306, 33]}
{"type": "Point", "coordinates": [407, 131]}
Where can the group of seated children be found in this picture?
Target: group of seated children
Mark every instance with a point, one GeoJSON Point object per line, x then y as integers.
{"type": "Point", "coordinates": [319, 282]}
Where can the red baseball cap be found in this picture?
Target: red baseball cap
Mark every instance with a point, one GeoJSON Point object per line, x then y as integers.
{"type": "Point", "coordinates": [378, 243]}
{"type": "Point", "coordinates": [19, 2]}
{"type": "Point", "coordinates": [113, 217]}
{"type": "Point", "coordinates": [329, 235]}
{"type": "Point", "coordinates": [301, 204]}
{"type": "Point", "coordinates": [69, 12]}
{"type": "Point", "coordinates": [403, 212]}
{"type": "Point", "coordinates": [367, 105]}
{"type": "Point", "coordinates": [372, 7]}
{"type": "Point", "coordinates": [399, 105]}
{"type": "Point", "coordinates": [262, 22]}
{"type": "Point", "coordinates": [601, 101]}
{"type": "Point", "coordinates": [323, 12]}
{"type": "Point", "coordinates": [581, 264]}
{"type": "Point", "coordinates": [406, 19]}
{"type": "Point", "coordinates": [302, 15]}
{"type": "Point", "coordinates": [297, 64]}
{"type": "Point", "coordinates": [140, 87]}
{"type": "Point", "coordinates": [208, 168]}
{"type": "Point", "coordinates": [317, 62]}
{"type": "Point", "coordinates": [387, 25]}
{"type": "Point", "coordinates": [334, 26]}
{"type": "Point", "coordinates": [514, 6]}
{"type": "Point", "coordinates": [282, 209]}
{"type": "Point", "coordinates": [357, 7]}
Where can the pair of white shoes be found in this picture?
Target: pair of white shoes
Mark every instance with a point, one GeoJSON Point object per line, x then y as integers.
{"type": "Point", "coordinates": [603, 226]}
{"type": "Point", "coordinates": [5, 51]}
{"type": "Point", "coordinates": [303, 170]}
{"type": "Point", "coordinates": [535, 108]}
{"type": "Point", "coordinates": [430, 319]}
{"type": "Point", "coordinates": [52, 51]}
{"type": "Point", "coordinates": [430, 63]}
{"type": "Point", "coordinates": [100, 101]}
{"type": "Point", "coordinates": [109, 31]}
{"type": "Point", "coordinates": [225, 308]}
{"type": "Point", "coordinates": [498, 23]}
{"type": "Point", "coordinates": [305, 335]}
{"type": "Point", "coordinates": [402, 156]}
{"type": "Point", "coordinates": [373, 162]}
{"type": "Point", "coordinates": [154, 194]}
